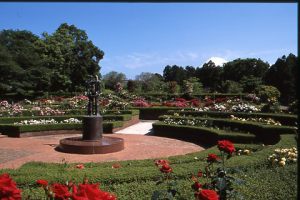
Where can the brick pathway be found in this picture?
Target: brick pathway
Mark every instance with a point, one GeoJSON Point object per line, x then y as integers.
{"type": "Point", "coordinates": [14, 152]}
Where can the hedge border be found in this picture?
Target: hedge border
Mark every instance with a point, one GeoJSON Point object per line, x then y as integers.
{"type": "Point", "coordinates": [285, 119]}
{"type": "Point", "coordinates": [16, 130]}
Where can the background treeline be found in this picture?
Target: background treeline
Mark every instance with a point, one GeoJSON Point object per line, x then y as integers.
{"type": "Point", "coordinates": [56, 63]}
{"type": "Point", "coordinates": [238, 76]}
{"type": "Point", "coordinates": [59, 63]}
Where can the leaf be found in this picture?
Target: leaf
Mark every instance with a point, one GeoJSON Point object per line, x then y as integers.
{"type": "Point", "coordinates": [155, 195]}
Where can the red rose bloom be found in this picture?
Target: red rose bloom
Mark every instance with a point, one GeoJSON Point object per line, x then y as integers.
{"type": "Point", "coordinates": [166, 168]}
{"type": "Point", "coordinates": [8, 188]}
{"type": "Point", "coordinates": [91, 192]}
{"type": "Point", "coordinates": [61, 191]}
{"type": "Point", "coordinates": [42, 183]}
{"type": "Point", "coordinates": [226, 146]}
{"type": "Point", "coordinates": [196, 186]}
{"type": "Point", "coordinates": [80, 166]}
{"type": "Point", "coordinates": [212, 158]}
{"type": "Point", "coordinates": [207, 195]}
{"type": "Point", "coordinates": [161, 162]}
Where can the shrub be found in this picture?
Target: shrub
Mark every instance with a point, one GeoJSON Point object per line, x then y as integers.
{"type": "Point", "coordinates": [265, 92]}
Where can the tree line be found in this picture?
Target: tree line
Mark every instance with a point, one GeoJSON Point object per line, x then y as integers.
{"type": "Point", "coordinates": [237, 76]}
{"type": "Point", "coordinates": [60, 62]}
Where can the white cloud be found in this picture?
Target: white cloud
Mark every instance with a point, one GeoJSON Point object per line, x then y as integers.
{"type": "Point", "coordinates": [217, 60]}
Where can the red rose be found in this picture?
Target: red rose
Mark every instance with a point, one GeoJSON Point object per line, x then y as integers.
{"type": "Point", "coordinates": [8, 188]}
{"type": "Point", "coordinates": [212, 158]}
{"type": "Point", "coordinates": [61, 191]}
{"type": "Point", "coordinates": [226, 146]}
{"type": "Point", "coordinates": [43, 183]}
{"type": "Point", "coordinates": [161, 162]}
{"type": "Point", "coordinates": [166, 169]}
{"type": "Point", "coordinates": [196, 186]}
{"type": "Point", "coordinates": [91, 192]}
{"type": "Point", "coordinates": [80, 166]}
{"type": "Point", "coordinates": [207, 195]}
{"type": "Point", "coordinates": [200, 173]}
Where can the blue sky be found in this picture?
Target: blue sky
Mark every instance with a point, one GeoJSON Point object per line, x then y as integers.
{"type": "Point", "coordinates": [145, 37]}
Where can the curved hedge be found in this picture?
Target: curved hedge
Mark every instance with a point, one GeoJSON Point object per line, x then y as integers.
{"type": "Point", "coordinates": [285, 119]}
{"type": "Point", "coordinates": [263, 133]}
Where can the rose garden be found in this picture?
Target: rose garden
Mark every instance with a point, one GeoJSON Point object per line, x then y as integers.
{"type": "Point", "coordinates": [245, 124]}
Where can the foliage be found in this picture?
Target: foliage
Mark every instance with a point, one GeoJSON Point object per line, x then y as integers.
{"type": "Point", "coordinates": [235, 70]}
{"type": "Point", "coordinates": [57, 62]}
{"type": "Point", "coordinates": [283, 76]}
{"type": "Point", "coordinates": [267, 92]}
{"type": "Point", "coordinates": [112, 78]}
{"type": "Point", "coordinates": [231, 87]}
{"type": "Point", "coordinates": [210, 75]}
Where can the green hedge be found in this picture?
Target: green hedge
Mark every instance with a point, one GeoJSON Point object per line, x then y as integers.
{"type": "Point", "coordinates": [263, 132]}
{"type": "Point", "coordinates": [285, 119]}
{"type": "Point", "coordinates": [11, 120]}
{"type": "Point", "coordinates": [166, 96]}
{"type": "Point", "coordinates": [17, 130]}
{"type": "Point", "coordinates": [203, 135]}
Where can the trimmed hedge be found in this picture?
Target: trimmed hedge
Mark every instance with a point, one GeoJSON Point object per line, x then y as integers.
{"type": "Point", "coordinates": [16, 130]}
{"type": "Point", "coordinates": [203, 135]}
{"type": "Point", "coordinates": [165, 96]}
{"type": "Point", "coordinates": [263, 132]}
{"type": "Point", "coordinates": [285, 119]}
{"type": "Point", "coordinates": [11, 120]}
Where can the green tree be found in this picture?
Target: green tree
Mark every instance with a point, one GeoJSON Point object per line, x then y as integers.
{"type": "Point", "coordinates": [150, 82]}
{"type": "Point", "coordinates": [68, 52]}
{"type": "Point", "coordinates": [283, 75]}
{"type": "Point", "coordinates": [231, 87]}
{"type": "Point", "coordinates": [112, 78]}
{"type": "Point", "coordinates": [250, 83]}
{"type": "Point", "coordinates": [174, 73]}
{"type": "Point", "coordinates": [210, 75]}
{"type": "Point", "coordinates": [236, 69]}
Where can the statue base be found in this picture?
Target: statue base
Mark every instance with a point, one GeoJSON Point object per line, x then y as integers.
{"type": "Point", "coordinates": [92, 127]}
{"type": "Point", "coordinates": [99, 146]}
{"type": "Point", "coordinates": [92, 141]}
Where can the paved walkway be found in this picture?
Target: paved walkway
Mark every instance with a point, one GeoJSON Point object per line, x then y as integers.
{"type": "Point", "coordinates": [141, 128]}
{"type": "Point", "coordinates": [14, 152]}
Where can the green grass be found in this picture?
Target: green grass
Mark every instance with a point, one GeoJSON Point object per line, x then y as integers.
{"type": "Point", "coordinates": [137, 179]}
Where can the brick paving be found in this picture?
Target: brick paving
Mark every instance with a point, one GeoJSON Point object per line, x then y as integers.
{"type": "Point", "coordinates": [14, 152]}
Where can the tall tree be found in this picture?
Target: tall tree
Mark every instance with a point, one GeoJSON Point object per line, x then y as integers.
{"type": "Point", "coordinates": [69, 54]}
{"type": "Point", "coordinates": [283, 75]}
{"type": "Point", "coordinates": [236, 69]}
{"type": "Point", "coordinates": [210, 75]}
{"type": "Point", "coordinates": [174, 73]}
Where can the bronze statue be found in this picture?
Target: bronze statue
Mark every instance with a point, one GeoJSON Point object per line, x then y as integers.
{"type": "Point", "coordinates": [93, 92]}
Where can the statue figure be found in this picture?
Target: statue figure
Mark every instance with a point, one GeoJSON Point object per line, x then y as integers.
{"type": "Point", "coordinates": [93, 92]}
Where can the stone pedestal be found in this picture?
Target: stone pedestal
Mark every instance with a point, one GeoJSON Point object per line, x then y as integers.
{"type": "Point", "coordinates": [92, 127]}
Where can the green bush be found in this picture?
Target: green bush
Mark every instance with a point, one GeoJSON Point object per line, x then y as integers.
{"type": "Point", "coordinates": [267, 92]}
